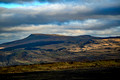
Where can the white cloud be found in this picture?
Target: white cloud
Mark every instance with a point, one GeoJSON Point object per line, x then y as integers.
{"type": "Point", "coordinates": [29, 27]}
{"type": "Point", "coordinates": [51, 13]}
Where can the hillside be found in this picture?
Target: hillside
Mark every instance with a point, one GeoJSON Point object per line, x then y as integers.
{"type": "Point", "coordinates": [46, 48]}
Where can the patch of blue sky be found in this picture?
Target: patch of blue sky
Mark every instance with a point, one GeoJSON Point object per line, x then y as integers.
{"type": "Point", "coordinates": [14, 5]}
{"type": "Point", "coordinates": [11, 5]}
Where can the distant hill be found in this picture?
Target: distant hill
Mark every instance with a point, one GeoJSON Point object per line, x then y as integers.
{"type": "Point", "coordinates": [45, 48]}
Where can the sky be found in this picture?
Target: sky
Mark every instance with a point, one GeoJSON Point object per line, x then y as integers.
{"type": "Point", "coordinates": [20, 18]}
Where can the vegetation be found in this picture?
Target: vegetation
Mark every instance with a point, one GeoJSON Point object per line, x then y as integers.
{"type": "Point", "coordinates": [58, 66]}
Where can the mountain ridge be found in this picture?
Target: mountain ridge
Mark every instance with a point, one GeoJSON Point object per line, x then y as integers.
{"type": "Point", "coordinates": [40, 34]}
{"type": "Point", "coordinates": [45, 48]}
{"type": "Point", "coordinates": [37, 37]}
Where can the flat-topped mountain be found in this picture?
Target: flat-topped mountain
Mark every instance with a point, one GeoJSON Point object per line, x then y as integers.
{"type": "Point", "coordinates": [45, 48]}
{"type": "Point", "coordinates": [33, 38]}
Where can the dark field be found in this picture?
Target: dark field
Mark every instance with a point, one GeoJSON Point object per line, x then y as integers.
{"type": "Point", "coordinates": [92, 74]}
{"type": "Point", "coordinates": [96, 70]}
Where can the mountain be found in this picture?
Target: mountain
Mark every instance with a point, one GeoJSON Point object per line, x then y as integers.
{"type": "Point", "coordinates": [46, 48]}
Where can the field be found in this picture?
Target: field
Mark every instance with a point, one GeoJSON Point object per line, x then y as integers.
{"type": "Point", "coordinates": [63, 71]}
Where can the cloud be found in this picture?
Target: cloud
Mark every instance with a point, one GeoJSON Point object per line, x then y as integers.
{"type": "Point", "coordinates": [108, 32]}
{"type": "Point", "coordinates": [40, 15]}
{"type": "Point", "coordinates": [93, 24]}
{"type": "Point", "coordinates": [14, 33]}
{"type": "Point", "coordinates": [54, 13]}
{"type": "Point", "coordinates": [22, 1]}
{"type": "Point", "coordinates": [56, 1]}
{"type": "Point", "coordinates": [26, 28]}
{"type": "Point", "coordinates": [19, 32]}
{"type": "Point", "coordinates": [90, 24]}
{"type": "Point", "coordinates": [73, 27]}
{"type": "Point", "coordinates": [73, 17]}
{"type": "Point", "coordinates": [15, 1]}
